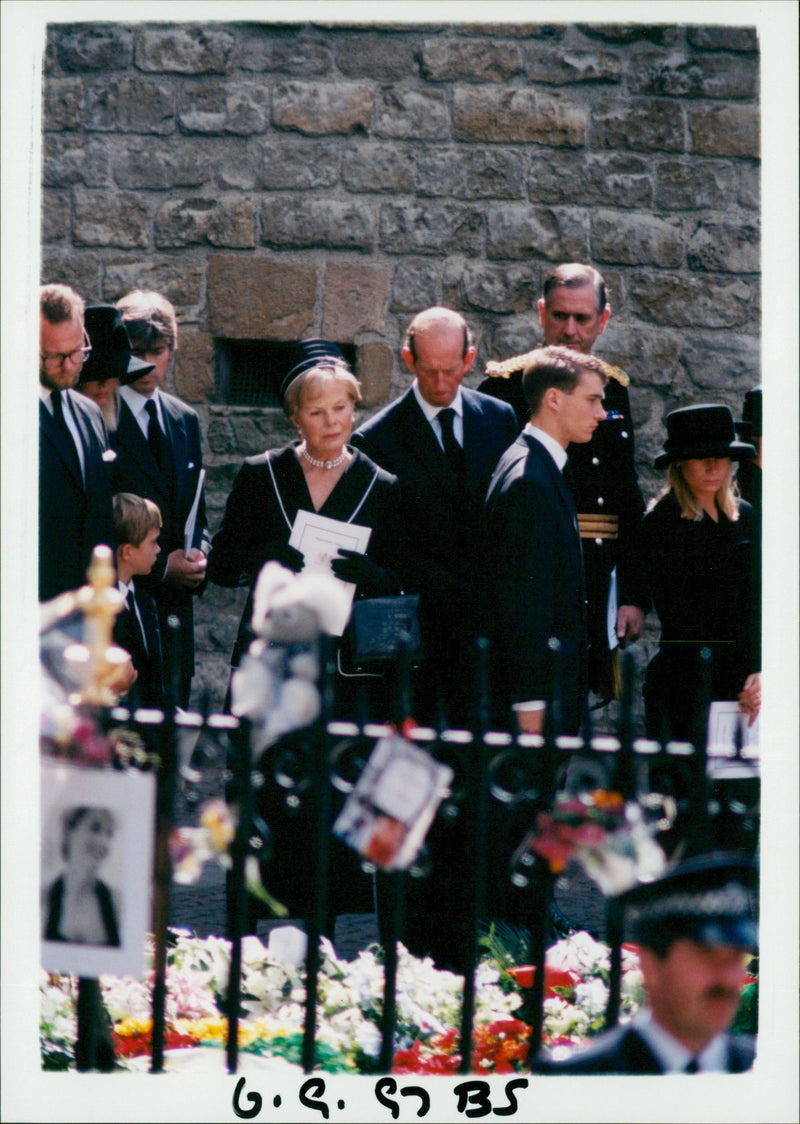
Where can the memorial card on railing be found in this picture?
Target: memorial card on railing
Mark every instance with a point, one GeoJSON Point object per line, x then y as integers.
{"type": "Point", "coordinates": [726, 723]}
{"type": "Point", "coordinates": [97, 830]}
{"type": "Point", "coordinates": [388, 813]}
{"type": "Point", "coordinates": [318, 539]}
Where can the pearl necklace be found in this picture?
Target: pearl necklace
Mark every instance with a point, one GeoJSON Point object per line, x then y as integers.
{"type": "Point", "coordinates": [304, 453]}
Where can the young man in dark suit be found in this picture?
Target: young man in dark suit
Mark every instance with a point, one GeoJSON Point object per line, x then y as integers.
{"type": "Point", "coordinates": [74, 474]}
{"type": "Point", "coordinates": [159, 456]}
{"type": "Point", "coordinates": [574, 310]}
{"type": "Point", "coordinates": [695, 928]}
{"type": "Point", "coordinates": [137, 522]}
{"type": "Point", "coordinates": [442, 441]}
{"type": "Point", "coordinates": [534, 549]}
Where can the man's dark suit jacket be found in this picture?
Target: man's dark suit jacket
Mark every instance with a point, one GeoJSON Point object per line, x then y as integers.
{"type": "Point", "coordinates": [623, 1051]}
{"type": "Point", "coordinates": [73, 517]}
{"type": "Point", "coordinates": [534, 559]}
{"type": "Point", "coordinates": [136, 471]}
{"type": "Point", "coordinates": [148, 690]}
{"type": "Point", "coordinates": [601, 475]}
{"type": "Point", "coordinates": [443, 518]}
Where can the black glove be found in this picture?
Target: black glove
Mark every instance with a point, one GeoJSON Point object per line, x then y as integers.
{"type": "Point", "coordinates": [288, 556]}
{"type": "Point", "coordinates": [372, 580]}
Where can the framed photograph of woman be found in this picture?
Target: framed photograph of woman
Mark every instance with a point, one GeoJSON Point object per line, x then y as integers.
{"type": "Point", "coordinates": [96, 868]}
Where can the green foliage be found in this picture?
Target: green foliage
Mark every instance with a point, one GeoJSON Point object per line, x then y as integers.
{"type": "Point", "coordinates": [746, 1021]}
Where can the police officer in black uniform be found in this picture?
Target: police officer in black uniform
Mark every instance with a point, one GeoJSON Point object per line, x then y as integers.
{"type": "Point", "coordinates": [601, 475]}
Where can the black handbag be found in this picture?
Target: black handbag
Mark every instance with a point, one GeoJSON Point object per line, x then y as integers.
{"type": "Point", "coordinates": [382, 626]}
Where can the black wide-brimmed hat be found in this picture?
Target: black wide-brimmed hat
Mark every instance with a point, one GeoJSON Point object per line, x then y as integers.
{"type": "Point", "coordinates": [711, 899]}
{"type": "Point", "coordinates": [751, 423]}
{"type": "Point", "coordinates": [308, 354]}
{"type": "Point", "coordinates": [697, 432]}
{"type": "Point", "coordinates": [111, 356]}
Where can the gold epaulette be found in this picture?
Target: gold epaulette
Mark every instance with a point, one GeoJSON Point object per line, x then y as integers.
{"type": "Point", "coordinates": [501, 370]}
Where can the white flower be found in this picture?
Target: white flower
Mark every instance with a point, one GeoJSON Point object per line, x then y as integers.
{"type": "Point", "coordinates": [288, 945]}
{"type": "Point", "coordinates": [579, 953]}
{"type": "Point", "coordinates": [592, 996]}
{"type": "Point", "coordinates": [632, 987]}
{"type": "Point", "coordinates": [368, 1038]}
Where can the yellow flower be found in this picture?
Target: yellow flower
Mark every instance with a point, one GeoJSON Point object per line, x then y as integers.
{"type": "Point", "coordinates": [217, 818]}
{"type": "Point", "coordinates": [133, 1028]}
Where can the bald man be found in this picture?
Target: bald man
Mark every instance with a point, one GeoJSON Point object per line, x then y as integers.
{"type": "Point", "coordinates": [442, 441]}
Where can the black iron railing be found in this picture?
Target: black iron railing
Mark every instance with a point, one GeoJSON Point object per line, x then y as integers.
{"type": "Point", "coordinates": [523, 771]}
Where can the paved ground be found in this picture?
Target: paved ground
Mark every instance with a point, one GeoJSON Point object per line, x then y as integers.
{"type": "Point", "coordinates": [201, 908]}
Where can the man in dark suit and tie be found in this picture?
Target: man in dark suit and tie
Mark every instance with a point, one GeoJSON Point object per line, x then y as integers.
{"type": "Point", "coordinates": [574, 310]}
{"type": "Point", "coordinates": [442, 441]}
{"type": "Point", "coordinates": [74, 476]}
{"type": "Point", "coordinates": [534, 549]}
{"type": "Point", "coordinates": [158, 447]}
{"type": "Point", "coordinates": [696, 929]}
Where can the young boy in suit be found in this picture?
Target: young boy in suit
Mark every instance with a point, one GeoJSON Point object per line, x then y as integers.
{"type": "Point", "coordinates": [137, 523]}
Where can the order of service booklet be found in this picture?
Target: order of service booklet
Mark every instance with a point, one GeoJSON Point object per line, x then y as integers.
{"type": "Point", "coordinates": [318, 539]}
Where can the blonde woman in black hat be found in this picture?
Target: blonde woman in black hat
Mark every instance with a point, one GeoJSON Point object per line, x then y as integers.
{"type": "Point", "coordinates": [318, 472]}
{"type": "Point", "coordinates": [697, 565]}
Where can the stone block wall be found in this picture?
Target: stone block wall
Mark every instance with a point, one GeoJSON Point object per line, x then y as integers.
{"type": "Point", "coordinates": [282, 180]}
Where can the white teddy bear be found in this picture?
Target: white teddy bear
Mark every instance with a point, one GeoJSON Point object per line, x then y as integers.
{"type": "Point", "coordinates": [275, 686]}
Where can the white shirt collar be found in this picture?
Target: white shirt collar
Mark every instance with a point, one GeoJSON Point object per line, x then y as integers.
{"type": "Point", "coordinates": [137, 401]}
{"type": "Point", "coordinates": [556, 451]}
{"type": "Point", "coordinates": [46, 394]}
{"type": "Point", "coordinates": [672, 1054]}
{"type": "Point", "coordinates": [429, 411]}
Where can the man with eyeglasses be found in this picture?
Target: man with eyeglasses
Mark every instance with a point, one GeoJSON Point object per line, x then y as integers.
{"type": "Point", "coordinates": [75, 512]}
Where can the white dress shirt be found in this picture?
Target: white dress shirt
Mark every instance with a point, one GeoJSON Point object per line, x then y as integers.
{"type": "Point", "coordinates": [672, 1054]}
{"type": "Point", "coordinates": [432, 412]}
{"type": "Point", "coordinates": [137, 403]}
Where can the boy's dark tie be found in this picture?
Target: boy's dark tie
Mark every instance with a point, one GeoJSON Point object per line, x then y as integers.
{"type": "Point", "coordinates": [138, 624]}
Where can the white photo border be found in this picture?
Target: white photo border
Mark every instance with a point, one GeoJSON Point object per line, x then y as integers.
{"type": "Point", "coordinates": [131, 797]}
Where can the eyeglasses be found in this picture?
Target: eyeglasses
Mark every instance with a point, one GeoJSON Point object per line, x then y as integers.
{"type": "Point", "coordinates": [54, 361]}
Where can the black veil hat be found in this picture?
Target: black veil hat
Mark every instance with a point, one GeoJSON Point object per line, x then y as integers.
{"type": "Point", "coordinates": [111, 356]}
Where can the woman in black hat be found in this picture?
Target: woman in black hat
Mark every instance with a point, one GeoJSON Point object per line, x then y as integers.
{"type": "Point", "coordinates": [697, 565]}
{"type": "Point", "coordinates": [318, 472]}
{"type": "Point", "coordinates": [111, 362]}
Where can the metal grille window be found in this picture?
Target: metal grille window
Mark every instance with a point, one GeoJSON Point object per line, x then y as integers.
{"type": "Point", "coordinates": [250, 372]}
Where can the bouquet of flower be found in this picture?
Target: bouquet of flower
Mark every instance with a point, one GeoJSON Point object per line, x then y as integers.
{"type": "Point", "coordinates": [350, 1006]}
{"type": "Point", "coordinates": [607, 835]}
